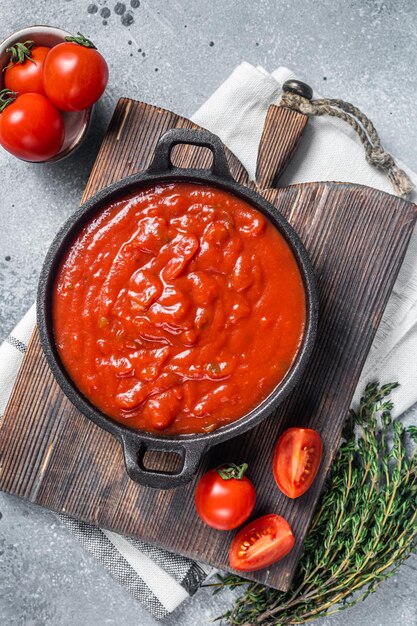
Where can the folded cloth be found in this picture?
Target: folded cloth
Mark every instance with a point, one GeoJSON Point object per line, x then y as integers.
{"type": "Point", "coordinates": [329, 151]}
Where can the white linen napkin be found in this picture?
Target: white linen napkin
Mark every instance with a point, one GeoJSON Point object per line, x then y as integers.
{"type": "Point", "coordinates": [329, 150]}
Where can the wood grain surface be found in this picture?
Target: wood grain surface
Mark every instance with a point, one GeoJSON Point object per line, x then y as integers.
{"type": "Point", "coordinates": [52, 455]}
{"type": "Point", "coordinates": [281, 134]}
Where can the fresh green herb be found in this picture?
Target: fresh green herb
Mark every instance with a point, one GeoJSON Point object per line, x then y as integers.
{"type": "Point", "coordinates": [214, 367]}
{"type": "Point", "coordinates": [365, 526]}
{"type": "Point", "coordinates": [102, 322]}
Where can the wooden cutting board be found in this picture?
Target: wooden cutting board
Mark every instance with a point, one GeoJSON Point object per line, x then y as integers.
{"type": "Point", "coordinates": [356, 237]}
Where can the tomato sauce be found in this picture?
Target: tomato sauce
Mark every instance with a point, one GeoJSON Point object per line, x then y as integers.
{"type": "Point", "coordinates": [178, 309]}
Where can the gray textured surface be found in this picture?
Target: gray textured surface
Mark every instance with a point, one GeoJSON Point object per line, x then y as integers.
{"type": "Point", "coordinates": [358, 50]}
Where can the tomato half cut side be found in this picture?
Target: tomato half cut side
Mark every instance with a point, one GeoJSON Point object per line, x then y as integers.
{"type": "Point", "coordinates": [296, 461]}
{"type": "Point", "coordinates": [261, 543]}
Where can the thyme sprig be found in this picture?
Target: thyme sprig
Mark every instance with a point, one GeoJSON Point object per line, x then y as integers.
{"type": "Point", "coordinates": [365, 525]}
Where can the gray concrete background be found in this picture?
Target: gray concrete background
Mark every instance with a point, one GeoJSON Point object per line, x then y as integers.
{"type": "Point", "coordinates": [180, 51]}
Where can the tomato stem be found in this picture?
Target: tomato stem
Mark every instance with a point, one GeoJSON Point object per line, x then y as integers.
{"type": "Point", "coordinates": [19, 53]}
{"type": "Point", "coordinates": [232, 471]}
{"type": "Point", "coordinates": [7, 96]}
{"type": "Point", "coordinates": [81, 41]}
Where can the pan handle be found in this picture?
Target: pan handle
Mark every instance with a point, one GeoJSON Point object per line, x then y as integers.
{"type": "Point", "coordinates": [161, 162]}
{"type": "Point", "coordinates": [134, 451]}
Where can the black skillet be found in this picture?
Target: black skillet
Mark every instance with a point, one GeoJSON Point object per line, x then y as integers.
{"type": "Point", "coordinates": [190, 447]}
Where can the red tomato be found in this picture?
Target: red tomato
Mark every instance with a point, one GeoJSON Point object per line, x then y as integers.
{"type": "Point", "coordinates": [224, 497]}
{"type": "Point", "coordinates": [262, 542]}
{"type": "Point", "coordinates": [31, 128]}
{"type": "Point", "coordinates": [296, 460]}
{"type": "Point", "coordinates": [75, 74]}
{"type": "Point", "coordinates": [24, 72]}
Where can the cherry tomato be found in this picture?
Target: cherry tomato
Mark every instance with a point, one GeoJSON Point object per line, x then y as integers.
{"type": "Point", "coordinates": [262, 542]}
{"type": "Point", "coordinates": [296, 461]}
{"type": "Point", "coordinates": [24, 72]}
{"type": "Point", "coordinates": [75, 74]}
{"type": "Point", "coordinates": [31, 128]}
{"type": "Point", "coordinates": [224, 497]}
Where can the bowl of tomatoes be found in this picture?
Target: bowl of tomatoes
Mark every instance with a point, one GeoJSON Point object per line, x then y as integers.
{"type": "Point", "coordinates": [49, 82]}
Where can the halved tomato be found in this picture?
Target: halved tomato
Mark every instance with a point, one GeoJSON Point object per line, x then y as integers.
{"type": "Point", "coordinates": [296, 461]}
{"type": "Point", "coordinates": [262, 542]}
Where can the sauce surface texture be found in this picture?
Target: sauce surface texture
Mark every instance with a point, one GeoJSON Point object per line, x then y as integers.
{"type": "Point", "coordinates": [178, 309]}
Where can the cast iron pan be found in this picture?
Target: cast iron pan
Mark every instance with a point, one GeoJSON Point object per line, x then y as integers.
{"type": "Point", "coordinates": [190, 447]}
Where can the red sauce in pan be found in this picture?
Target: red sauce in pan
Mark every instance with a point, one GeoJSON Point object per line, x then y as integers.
{"type": "Point", "coordinates": [178, 309]}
